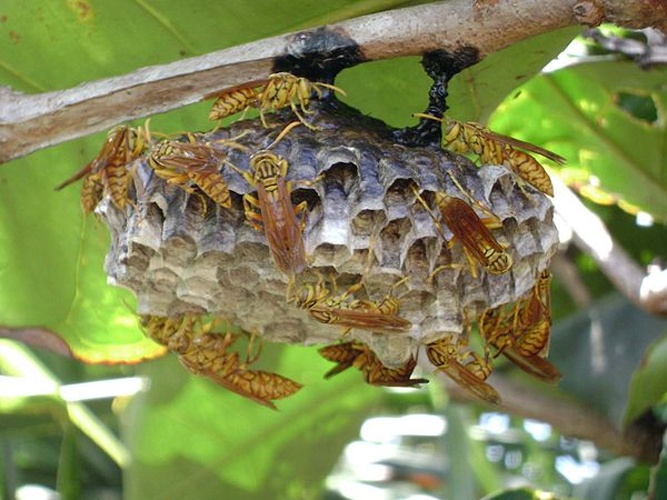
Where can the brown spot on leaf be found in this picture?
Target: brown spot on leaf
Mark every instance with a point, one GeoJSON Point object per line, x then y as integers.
{"type": "Point", "coordinates": [14, 36]}
{"type": "Point", "coordinates": [82, 8]}
{"type": "Point", "coordinates": [37, 336]}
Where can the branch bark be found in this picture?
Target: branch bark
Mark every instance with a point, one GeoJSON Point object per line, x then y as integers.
{"type": "Point", "coordinates": [32, 122]}
{"type": "Point", "coordinates": [569, 417]}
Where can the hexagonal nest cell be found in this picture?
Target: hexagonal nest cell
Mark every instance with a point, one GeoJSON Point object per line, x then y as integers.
{"type": "Point", "coordinates": [179, 252]}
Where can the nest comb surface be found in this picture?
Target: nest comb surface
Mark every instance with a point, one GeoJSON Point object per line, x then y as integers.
{"type": "Point", "coordinates": [180, 253]}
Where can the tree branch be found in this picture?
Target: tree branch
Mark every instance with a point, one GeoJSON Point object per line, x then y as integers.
{"type": "Point", "coordinates": [646, 289]}
{"type": "Point", "coordinates": [32, 122]}
{"type": "Point", "coordinates": [569, 417]}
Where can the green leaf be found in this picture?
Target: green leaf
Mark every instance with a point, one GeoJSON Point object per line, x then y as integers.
{"type": "Point", "coordinates": [209, 441]}
{"type": "Point", "coordinates": [609, 482]}
{"type": "Point", "coordinates": [51, 264]}
{"type": "Point", "coordinates": [613, 156]}
{"type": "Point", "coordinates": [48, 46]}
{"type": "Point", "coordinates": [649, 382]}
{"type": "Point", "coordinates": [477, 91]}
{"type": "Point", "coordinates": [598, 350]}
{"type": "Point", "coordinates": [69, 466]}
{"type": "Point", "coordinates": [659, 474]}
{"type": "Point", "coordinates": [471, 470]}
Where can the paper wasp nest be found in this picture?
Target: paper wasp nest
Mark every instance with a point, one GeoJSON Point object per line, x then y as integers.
{"type": "Point", "coordinates": [182, 253]}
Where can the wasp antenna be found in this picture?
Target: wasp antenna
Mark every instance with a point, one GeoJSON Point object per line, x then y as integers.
{"type": "Point", "coordinates": [147, 130]}
{"type": "Point", "coordinates": [78, 175]}
{"type": "Point", "coordinates": [283, 133]}
{"type": "Point", "coordinates": [400, 282]}
{"type": "Point", "coordinates": [332, 87]}
{"type": "Point", "coordinates": [429, 117]}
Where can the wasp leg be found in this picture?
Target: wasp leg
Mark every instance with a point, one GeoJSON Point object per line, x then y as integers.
{"type": "Point", "coordinates": [252, 212]}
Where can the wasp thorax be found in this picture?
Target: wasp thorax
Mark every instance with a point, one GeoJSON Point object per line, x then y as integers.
{"type": "Point", "coordinates": [265, 159]}
{"type": "Point", "coordinates": [351, 213]}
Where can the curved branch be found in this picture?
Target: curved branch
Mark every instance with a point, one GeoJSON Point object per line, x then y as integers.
{"type": "Point", "coordinates": [569, 417]}
{"type": "Point", "coordinates": [32, 122]}
{"type": "Point", "coordinates": [646, 289]}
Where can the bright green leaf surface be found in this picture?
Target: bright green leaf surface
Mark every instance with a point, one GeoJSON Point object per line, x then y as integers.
{"type": "Point", "coordinates": [51, 262]}
{"type": "Point", "coordinates": [477, 91]}
{"type": "Point", "coordinates": [192, 435]}
{"type": "Point", "coordinates": [649, 382]}
{"type": "Point", "coordinates": [610, 153]}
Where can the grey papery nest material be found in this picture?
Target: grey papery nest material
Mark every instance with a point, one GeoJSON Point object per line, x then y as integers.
{"type": "Point", "coordinates": [179, 256]}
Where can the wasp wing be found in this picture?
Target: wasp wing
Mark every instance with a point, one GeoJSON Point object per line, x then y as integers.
{"type": "Point", "coordinates": [534, 365]}
{"type": "Point", "coordinates": [371, 320]}
{"type": "Point", "coordinates": [526, 146]}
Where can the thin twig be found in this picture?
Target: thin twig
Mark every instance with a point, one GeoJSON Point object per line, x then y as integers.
{"type": "Point", "coordinates": [32, 122]}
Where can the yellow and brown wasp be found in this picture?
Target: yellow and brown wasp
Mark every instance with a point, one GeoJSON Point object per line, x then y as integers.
{"type": "Point", "coordinates": [204, 352]}
{"type": "Point", "coordinates": [532, 322]}
{"type": "Point", "coordinates": [388, 306]}
{"type": "Point", "coordinates": [498, 149]}
{"type": "Point", "coordinates": [233, 101]}
{"type": "Point", "coordinates": [522, 333]}
{"type": "Point", "coordinates": [527, 324]}
{"type": "Point", "coordinates": [192, 163]}
{"type": "Point", "coordinates": [340, 309]}
{"type": "Point", "coordinates": [160, 328]}
{"type": "Point", "coordinates": [107, 173]}
{"type": "Point", "coordinates": [473, 231]}
{"type": "Point", "coordinates": [381, 316]}
{"type": "Point", "coordinates": [92, 192]}
{"type": "Point", "coordinates": [271, 210]}
{"type": "Point", "coordinates": [363, 358]}
{"type": "Point", "coordinates": [278, 91]}
{"type": "Point", "coordinates": [524, 347]}
{"type": "Point", "coordinates": [467, 368]}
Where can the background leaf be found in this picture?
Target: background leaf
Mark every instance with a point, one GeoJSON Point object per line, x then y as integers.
{"type": "Point", "coordinates": [649, 382]}
{"type": "Point", "coordinates": [190, 435]}
{"type": "Point", "coordinates": [473, 94]}
{"type": "Point", "coordinates": [603, 346]}
{"type": "Point", "coordinates": [580, 113]}
{"type": "Point", "coordinates": [608, 484]}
